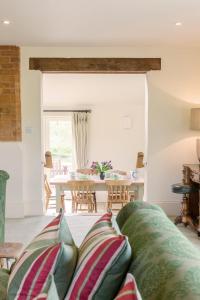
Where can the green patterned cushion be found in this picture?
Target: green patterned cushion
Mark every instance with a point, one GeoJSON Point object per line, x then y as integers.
{"type": "Point", "coordinates": [131, 208]}
{"type": "Point", "coordinates": [31, 263]}
{"type": "Point", "coordinates": [56, 231]}
{"type": "Point", "coordinates": [49, 292]}
{"type": "Point", "coordinates": [104, 257]}
{"type": "Point", "coordinates": [4, 276]}
{"type": "Point", "coordinates": [166, 265]}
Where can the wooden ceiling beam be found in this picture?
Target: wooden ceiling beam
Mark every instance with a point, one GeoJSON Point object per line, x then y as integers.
{"type": "Point", "coordinates": [95, 65]}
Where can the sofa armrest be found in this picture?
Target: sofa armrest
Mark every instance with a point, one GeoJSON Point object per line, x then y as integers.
{"type": "Point", "coordinates": [131, 208]}
{"type": "Point", "coordinates": [166, 265]}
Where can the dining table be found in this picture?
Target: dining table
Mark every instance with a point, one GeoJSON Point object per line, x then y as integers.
{"type": "Point", "coordinates": [61, 185]}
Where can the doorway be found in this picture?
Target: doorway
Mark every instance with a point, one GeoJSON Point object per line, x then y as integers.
{"type": "Point", "coordinates": [116, 126]}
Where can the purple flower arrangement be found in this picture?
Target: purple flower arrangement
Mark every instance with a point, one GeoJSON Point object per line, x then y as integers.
{"type": "Point", "coordinates": [101, 167]}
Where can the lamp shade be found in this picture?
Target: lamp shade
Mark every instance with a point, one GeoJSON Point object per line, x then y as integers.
{"type": "Point", "coordinates": [195, 119]}
{"type": "Point", "coordinates": [139, 163]}
{"type": "Point", "coordinates": [48, 160]}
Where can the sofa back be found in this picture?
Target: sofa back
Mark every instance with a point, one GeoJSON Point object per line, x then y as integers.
{"type": "Point", "coordinates": [165, 263]}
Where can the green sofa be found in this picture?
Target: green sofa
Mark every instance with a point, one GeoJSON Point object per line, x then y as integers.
{"type": "Point", "coordinates": [3, 179]}
{"type": "Point", "coordinates": [4, 275]}
{"type": "Point", "coordinates": [165, 264]}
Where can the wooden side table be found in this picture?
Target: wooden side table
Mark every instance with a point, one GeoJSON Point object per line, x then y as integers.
{"type": "Point", "coordinates": [10, 251]}
{"type": "Point", "coordinates": [190, 189]}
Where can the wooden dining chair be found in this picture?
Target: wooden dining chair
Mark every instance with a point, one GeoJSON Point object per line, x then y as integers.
{"type": "Point", "coordinates": [48, 194]}
{"type": "Point", "coordinates": [89, 172]}
{"type": "Point", "coordinates": [118, 192]}
{"type": "Point", "coordinates": [82, 194]}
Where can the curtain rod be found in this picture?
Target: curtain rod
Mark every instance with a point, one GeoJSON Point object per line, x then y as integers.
{"type": "Point", "coordinates": [67, 110]}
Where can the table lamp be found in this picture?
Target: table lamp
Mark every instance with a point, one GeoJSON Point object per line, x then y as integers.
{"type": "Point", "coordinates": [48, 160]}
{"type": "Point", "coordinates": [195, 125]}
{"type": "Point", "coordinates": [140, 158]}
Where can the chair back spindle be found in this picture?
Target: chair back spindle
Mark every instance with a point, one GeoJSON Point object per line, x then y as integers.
{"type": "Point", "coordinates": [118, 192]}
{"type": "Point", "coordinates": [82, 192]}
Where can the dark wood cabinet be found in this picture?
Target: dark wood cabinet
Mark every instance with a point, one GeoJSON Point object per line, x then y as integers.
{"type": "Point", "coordinates": [191, 176]}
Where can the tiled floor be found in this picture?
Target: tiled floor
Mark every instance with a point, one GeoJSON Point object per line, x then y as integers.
{"type": "Point", "coordinates": [101, 207]}
{"type": "Point", "coordinates": [23, 230]}
{"type": "Point", "coordinates": [191, 235]}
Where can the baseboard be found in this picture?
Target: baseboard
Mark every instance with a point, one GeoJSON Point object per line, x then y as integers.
{"type": "Point", "coordinates": [171, 208]}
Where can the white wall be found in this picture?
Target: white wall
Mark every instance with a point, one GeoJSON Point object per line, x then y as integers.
{"type": "Point", "coordinates": [171, 143]}
{"type": "Point", "coordinates": [172, 92]}
{"type": "Point", "coordinates": [110, 141]}
{"type": "Point", "coordinates": [31, 137]}
{"type": "Point", "coordinates": [111, 98]}
{"type": "Point", "coordinates": [11, 162]}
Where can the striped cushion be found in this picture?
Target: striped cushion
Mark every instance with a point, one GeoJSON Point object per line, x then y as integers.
{"type": "Point", "coordinates": [103, 223]}
{"type": "Point", "coordinates": [4, 277]}
{"type": "Point", "coordinates": [42, 296]}
{"type": "Point", "coordinates": [102, 264]}
{"type": "Point", "coordinates": [63, 270]}
{"type": "Point", "coordinates": [49, 292]}
{"type": "Point", "coordinates": [102, 227]}
{"type": "Point", "coordinates": [129, 290]}
{"type": "Point", "coordinates": [30, 275]}
{"type": "Point", "coordinates": [56, 231]}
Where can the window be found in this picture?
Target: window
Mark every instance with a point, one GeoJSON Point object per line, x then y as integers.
{"type": "Point", "coordinates": [59, 140]}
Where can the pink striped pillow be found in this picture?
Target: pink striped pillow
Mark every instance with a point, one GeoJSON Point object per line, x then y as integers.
{"type": "Point", "coordinates": [55, 232]}
{"type": "Point", "coordinates": [102, 227]}
{"type": "Point", "coordinates": [38, 266]}
{"type": "Point", "coordinates": [129, 289]}
{"type": "Point", "coordinates": [101, 267]}
{"type": "Point", "coordinates": [42, 296]}
{"type": "Point", "coordinates": [49, 292]}
{"type": "Point", "coordinates": [107, 217]}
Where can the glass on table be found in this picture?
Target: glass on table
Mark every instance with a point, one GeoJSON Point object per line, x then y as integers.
{"type": "Point", "coordinates": [133, 174]}
{"type": "Point", "coordinates": [107, 175]}
{"type": "Point", "coordinates": [72, 175]}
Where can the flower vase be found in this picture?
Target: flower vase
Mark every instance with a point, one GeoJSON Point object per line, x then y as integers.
{"type": "Point", "coordinates": [102, 175]}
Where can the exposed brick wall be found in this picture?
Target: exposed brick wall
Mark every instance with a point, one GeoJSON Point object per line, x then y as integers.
{"type": "Point", "coordinates": [10, 105]}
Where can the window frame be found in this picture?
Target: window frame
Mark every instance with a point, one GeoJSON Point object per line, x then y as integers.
{"type": "Point", "coordinates": [53, 116]}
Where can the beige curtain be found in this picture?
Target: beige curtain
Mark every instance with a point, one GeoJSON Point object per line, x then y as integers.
{"type": "Point", "coordinates": [80, 132]}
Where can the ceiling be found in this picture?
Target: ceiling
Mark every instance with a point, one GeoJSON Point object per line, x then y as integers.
{"type": "Point", "coordinates": [86, 90]}
{"type": "Point", "coordinates": [100, 22]}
